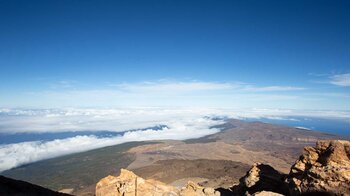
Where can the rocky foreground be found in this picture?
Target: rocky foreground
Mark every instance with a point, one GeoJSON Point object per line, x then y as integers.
{"type": "Point", "coordinates": [320, 170]}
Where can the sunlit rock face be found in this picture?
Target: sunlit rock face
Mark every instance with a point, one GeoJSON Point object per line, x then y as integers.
{"type": "Point", "coordinates": [325, 167]}
{"type": "Point", "coordinates": [129, 184]}
{"type": "Point", "coordinates": [320, 170]}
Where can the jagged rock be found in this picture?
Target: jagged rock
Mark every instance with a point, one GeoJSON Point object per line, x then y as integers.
{"type": "Point", "coordinates": [259, 178]}
{"type": "Point", "coordinates": [194, 189]}
{"type": "Point", "coordinates": [129, 184]}
{"type": "Point", "coordinates": [325, 168]}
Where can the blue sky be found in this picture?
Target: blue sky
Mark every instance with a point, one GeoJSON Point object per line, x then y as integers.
{"type": "Point", "coordinates": [264, 54]}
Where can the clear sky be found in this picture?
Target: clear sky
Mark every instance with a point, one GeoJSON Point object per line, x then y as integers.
{"type": "Point", "coordinates": [263, 54]}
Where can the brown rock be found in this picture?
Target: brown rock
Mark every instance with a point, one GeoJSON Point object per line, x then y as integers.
{"type": "Point", "coordinates": [321, 170]}
{"type": "Point", "coordinates": [194, 189]}
{"type": "Point", "coordinates": [261, 177]}
{"type": "Point", "coordinates": [325, 168]}
{"type": "Point", "coordinates": [129, 184]}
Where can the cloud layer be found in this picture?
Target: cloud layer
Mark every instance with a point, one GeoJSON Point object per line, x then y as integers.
{"type": "Point", "coordinates": [181, 123]}
{"type": "Point", "coordinates": [121, 119]}
{"type": "Point", "coordinates": [159, 93]}
{"type": "Point", "coordinates": [174, 87]}
{"type": "Point", "coordinates": [13, 155]}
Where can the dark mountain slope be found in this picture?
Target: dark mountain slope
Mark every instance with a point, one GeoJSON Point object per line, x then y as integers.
{"type": "Point", "coordinates": [13, 187]}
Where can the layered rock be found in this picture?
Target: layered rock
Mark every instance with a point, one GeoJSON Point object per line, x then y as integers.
{"type": "Point", "coordinates": [129, 184]}
{"type": "Point", "coordinates": [325, 168]}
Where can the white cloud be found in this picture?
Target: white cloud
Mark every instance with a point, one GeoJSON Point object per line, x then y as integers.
{"type": "Point", "coordinates": [12, 155]}
{"type": "Point", "coordinates": [63, 84]}
{"type": "Point", "coordinates": [305, 128]}
{"type": "Point", "coordinates": [340, 79]}
{"type": "Point", "coordinates": [182, 123]}
{"type": "Point", "coordinates": [167, 86]}
{"type": "Point", "coordinates": [162, 93]}
{"type": "Point", "coordinates": [331, 94]}
{"type": "Point", "coordinates": [285, 114]}
{"type": "Point", "coordinates": [281, 118]}
{"type": "Point", "coordinates": [273, 88]}
{"type": "Point", "coordinates": [171, 86]}
{"type": "Point", "coordinates": [172, 93]}
{"type": "Point", "coordinates": [121, 119]}
{"type": "Point", "coordinates": [73, 119]}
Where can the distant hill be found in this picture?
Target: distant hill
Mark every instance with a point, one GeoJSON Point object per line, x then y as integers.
{"type": "Point", "coordinates": [228, 153]}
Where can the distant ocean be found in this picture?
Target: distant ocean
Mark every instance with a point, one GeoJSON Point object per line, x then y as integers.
{"type": "Point", "coordinates": [327, 125]}
{"type": "Point", "coordinates": [331, 126]}
{"type": "Point", "coordinates": [27, 137]}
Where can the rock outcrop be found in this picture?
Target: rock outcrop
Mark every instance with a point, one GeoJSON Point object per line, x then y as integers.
{"type": "Point", "coordinates": [323, 168]}
{"type": "Point", "coordinates": [261, 177]}
{"type": "Point", "coordinates": [129, 184]}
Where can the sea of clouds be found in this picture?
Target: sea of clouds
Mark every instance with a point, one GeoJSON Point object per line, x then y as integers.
{"type": "Point", "coordinates": [180, 123]}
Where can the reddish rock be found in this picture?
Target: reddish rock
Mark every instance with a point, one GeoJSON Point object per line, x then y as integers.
{"type": "Point", "coordinates": [325, 168]}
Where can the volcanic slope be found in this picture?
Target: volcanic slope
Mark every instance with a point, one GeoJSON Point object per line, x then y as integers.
{"type": "Point", "coordinates": [216, 160]}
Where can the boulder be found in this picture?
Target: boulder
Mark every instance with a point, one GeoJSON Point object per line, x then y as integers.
{"type": "Point", "coordinates": [261, 177]}
{"type": "Point", "coordinates": [324, 168]}
{"type": "Point", "coordinates": [129, 184]}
